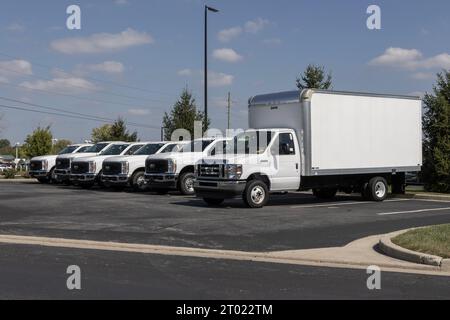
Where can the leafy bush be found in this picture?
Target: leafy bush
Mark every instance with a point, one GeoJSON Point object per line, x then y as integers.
{"type": "Point", "coordinates": [9, 174]}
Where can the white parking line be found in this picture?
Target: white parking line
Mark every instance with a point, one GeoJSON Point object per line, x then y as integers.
{"type": "Point", "coordinates": [334, 204]}
{"type": "Point", "coordinates": [412, 211]}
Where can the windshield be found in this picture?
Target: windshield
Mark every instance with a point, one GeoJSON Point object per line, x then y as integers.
{"type": "Point", "coordinates": [196, 146]}
{"type": "Point", "coordinates": [115, 150]}
{"type": "Point", "coordinates": [172, 147]}
{"type": "Point", "coordinates": [96, 148]}
{"type": "Point", "coordinates": [149, 149]}
{"type": "Point", "coordinates": [83, 149]}
{"type": "Point", "coordinates": [68, 149]}
{"type": "Point", "coordinates": [250, 142]}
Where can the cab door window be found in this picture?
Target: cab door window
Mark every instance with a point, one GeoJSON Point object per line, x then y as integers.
{"type": "Point", "coordinates": [286, 144]}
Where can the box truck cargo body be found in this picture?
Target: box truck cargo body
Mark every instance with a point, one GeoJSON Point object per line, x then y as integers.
{"type": "Point", "coordinates": [344, 140]}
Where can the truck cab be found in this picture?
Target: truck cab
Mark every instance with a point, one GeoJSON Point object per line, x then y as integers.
{"type": "Point", "coordinates": [175, 170]}
{"type": "Point", "coordinates": [43, 167]}
{"type": "Point", "coordinates": [269, 156]}
{"type": "Point", "coordinates": [86, 171]}
{"type": "Point", "coordinates": [128, 170]}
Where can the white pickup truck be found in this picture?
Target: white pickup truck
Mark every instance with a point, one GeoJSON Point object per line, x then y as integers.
{"type": "Point", "coordinates": [43, 167]}
{"type": "Point", "coordinates": [175, 170]}
{"type": "Point", "coordinates": [86, 171]}
{"type": "Point", "coordinates": [62, 167]}
{"type": "Point", "coordinates": [326, 141]}
{"type": "Point", "coordinates": [128, 170]}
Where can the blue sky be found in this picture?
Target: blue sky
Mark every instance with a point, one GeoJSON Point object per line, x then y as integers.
{"type": "Point", "coordinates": [255, 46]}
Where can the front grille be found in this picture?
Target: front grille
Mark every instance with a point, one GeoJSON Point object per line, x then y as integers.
{"type": "Point", "coordinates": [210, 170]}
{"type": "Point", "coordinates": [62, 164]}
{"type": "Point", "coordinates": [79, 167]}
{"type": "Point", "coordinates": [111, 168]}
{"type": "Point", "coordinates": [35, 165]}
{"type": "Point", "coordinates": [156, 166]}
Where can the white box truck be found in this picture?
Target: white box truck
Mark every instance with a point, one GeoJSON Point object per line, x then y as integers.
{"type": "Point", "coordinates": [327, 141]}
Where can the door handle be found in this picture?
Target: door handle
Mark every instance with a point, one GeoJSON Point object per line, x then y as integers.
{"type": "Point", "coordinates": [296, 166]}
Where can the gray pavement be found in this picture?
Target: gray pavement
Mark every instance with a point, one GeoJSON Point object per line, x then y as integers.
{"type": "Point", "coordinates": [295, 221]}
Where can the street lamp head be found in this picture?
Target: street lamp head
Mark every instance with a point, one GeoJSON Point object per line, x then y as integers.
{"type": "Point", "coordinates": [211, 9]}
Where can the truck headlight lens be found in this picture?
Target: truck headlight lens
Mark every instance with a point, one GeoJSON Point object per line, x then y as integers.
{"type": "Point", "coordinates": [171, 166]}
{"type": "Point", "coordinates": [125, 167]}
{"type": "Point", "coordinates": [45, 165]}
{"type": "Point", "coordinates": [233, 171]}
{"type": "Point", "coordinates": [92, 166]}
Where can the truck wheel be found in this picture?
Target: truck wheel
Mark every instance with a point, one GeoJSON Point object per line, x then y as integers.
{"type": "Point", "coordinates": [256, 194]}
{"type": "Point", "coordinates": [213, 202]}
{"type": "Point", "coordinates": [187, 183]}
{"type": "Point", "coordinates": [138, 181]}
{"type": "Point", "coordinates": [377, 189]}
{"type": "Point", "coordinates": [52, 177]}
{"type": "Point", "coordinates": [325, 193]}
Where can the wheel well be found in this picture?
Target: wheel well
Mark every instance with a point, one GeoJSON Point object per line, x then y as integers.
{"type": "Point", "coordinates": [260, 176]}
{"type": "Point", "coordinates": [187, 169]}
{"type": "Point", "coordinates": [137, 170]}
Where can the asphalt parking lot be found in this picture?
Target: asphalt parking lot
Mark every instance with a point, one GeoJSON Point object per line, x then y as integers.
{"type": "Point", "coordinates": [295, 221]}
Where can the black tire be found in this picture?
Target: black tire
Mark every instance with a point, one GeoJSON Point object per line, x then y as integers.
{"type": "Point", "coordinates": [325, 193]}
{"type": "Point", "coordinates": [377, 189]}
{"type": "Point", "coordinates": [186, 184]}
{"type": "Point", "coordinates": [42, 180]}
{"type": "Point", "coordinates": [138, 181]}
{"type": "Point", "coordinates": [87, 185]}
{"type": "Point", "coordinates": [213, 202]}
{"type": "Point", "coordinates": [256, 194]}
{"type": "Point", "coordinates": [52, 177]}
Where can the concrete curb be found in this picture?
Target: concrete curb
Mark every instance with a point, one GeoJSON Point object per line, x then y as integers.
{"type": "Point", "coordinates": [391, 249]}
{"type": "Point", "coordinates": [31, 180]}
{"type": "Point", "coordinates": [421, 196]}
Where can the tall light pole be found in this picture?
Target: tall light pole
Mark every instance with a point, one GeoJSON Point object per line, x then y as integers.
{"type": "Point", "coordinates": [205, 71]}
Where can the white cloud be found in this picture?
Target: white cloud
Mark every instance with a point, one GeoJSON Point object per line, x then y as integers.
{"type": "Point", "coordinates": [218, 79]}
{"type": "Point", "coordinates": [14, 69]}
{"type": "Point", "coordinates": [255, 26]}
{"type": "Point", "coordinates": [219, 102]}
{"type": "Point", "coordinates": [112, 67]}
{"type": "Point", "coordinates": [226, 54]}
{"type": "Point", "coordinates": [3, 79]}
{"type": "Point", "coordinates": [102, 42]}
{"type": "Point", "coordinates": [411, 59]}
{"type": "Point", "coordinates": [16, 27]}
{"type": "Point", "coordinates": [227, 35]}
{"type": "Point", "coordinates": [272, 41]}
{"type": "Point", "coordinates": [72, 84]}
{"type": "Point", "coordinates": [138, 112]}
{"type": "Point", "coordinates": [185, 72]}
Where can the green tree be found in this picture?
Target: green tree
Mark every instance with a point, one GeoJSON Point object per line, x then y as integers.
{"type": "Point", "coordinates": [60, 144]}
{"type": "Point", "coordinates": [436, 128]}
{"type": "Point", "coordinates": [183, 115]}
{"type": "Point", "coordinates": [4, 143]}
{"type": "Point", "coordinates": [314, 78]}
{"type": "Point", "coordinates": [114, 132]}
{"type": "Point", "coordinates": [38, 143]}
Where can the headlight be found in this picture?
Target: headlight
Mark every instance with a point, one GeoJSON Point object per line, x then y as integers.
{"type": "Point", "coordinates": [233, 171]}
{"type": "Point", "coordinates": [171, 166]}
{"type": "Point", "coordinates": [125, 167]}
{"type": "Point", "coordinates": [44, 165]}
{"type": "Point", "coordinates": [92, 166]}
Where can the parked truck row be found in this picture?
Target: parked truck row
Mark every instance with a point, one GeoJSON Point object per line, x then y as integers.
{"type": "Point", "coordinates": [324, 141]}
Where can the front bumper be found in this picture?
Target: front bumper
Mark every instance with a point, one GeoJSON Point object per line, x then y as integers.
{"type": "Point", "coordinates": [38, 173]}
{"type": "Point", "coordinates": [62, 174]}
{"type": "Point", "coordinates": [161, 180]}
{"type": "Point", "coordinates": [221, 189]}
{"type": "Point", "coordinates": [119, 179]}
{"type": "Point", "coordinates": [85, 177]}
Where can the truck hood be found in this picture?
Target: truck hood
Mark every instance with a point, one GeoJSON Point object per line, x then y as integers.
{"type": "Point", "coordinates": [92, 158]}
{"type": "Point", "coordinates": [131, 158]}
{"type": "Point", "coordinates": [48, 158]}
{"type": "Point", "coordinates": [233, 159]}
{"type": "Point", "coordinates": [181, 157]}
{"type": "Point", "coordinates": [76, 155]}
